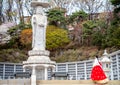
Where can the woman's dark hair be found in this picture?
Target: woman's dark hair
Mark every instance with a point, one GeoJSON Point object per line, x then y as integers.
{"type": "Point", "coordinates": [96, 56]}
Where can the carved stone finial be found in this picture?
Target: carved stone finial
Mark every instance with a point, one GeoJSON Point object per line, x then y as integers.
{"type": "Point", "coordinates": [105, 53]}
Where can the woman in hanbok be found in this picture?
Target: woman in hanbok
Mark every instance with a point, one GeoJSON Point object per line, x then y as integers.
{"type": "Point", "coordinates": [97, 73]}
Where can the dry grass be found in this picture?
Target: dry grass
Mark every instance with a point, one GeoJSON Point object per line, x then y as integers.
{"type": "Point", "coordinates": [83, 53]}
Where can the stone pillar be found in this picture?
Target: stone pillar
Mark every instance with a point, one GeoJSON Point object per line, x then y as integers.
{"type": "Point", "coordinates": [23, 69]}
{"type": "Point", "coordinates": [46, 73]}
{"type": "Point", "coordinates": [33, 76]}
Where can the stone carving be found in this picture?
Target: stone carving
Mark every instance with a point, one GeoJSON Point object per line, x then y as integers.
{"type": "Point", "coordinates": [39, 23]}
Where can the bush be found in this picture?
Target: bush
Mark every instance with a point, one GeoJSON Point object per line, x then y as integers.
{"type": "Point", "coordinates": [56, 38]}
{"type": "Point", "coordinates": [26, 37]}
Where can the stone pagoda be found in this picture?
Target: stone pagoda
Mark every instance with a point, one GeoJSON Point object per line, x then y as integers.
{"type": "Point", "coordinates": [38, 61]}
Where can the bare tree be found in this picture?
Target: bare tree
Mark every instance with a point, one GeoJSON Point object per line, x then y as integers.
{"type": "Point", "coordinates": [90, 6]}
{"type": "Point", "coordinates": [9, 10]}
{"type": "Point", "coordinates": [108, 9]}
{"type": "Point", "coordinates": [20, 8]}
{"type": "Point", "coordinates": [1, 11]}
{"type": "Point", "coordinates": [62, 4]}
{"type": "Point", "coordinates": [28, 7]}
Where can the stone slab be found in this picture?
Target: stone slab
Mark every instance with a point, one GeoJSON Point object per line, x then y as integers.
{"type": "Point", "coordinates": [54, 82]}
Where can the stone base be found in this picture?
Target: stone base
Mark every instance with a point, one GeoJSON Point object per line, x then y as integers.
{"type": "Point", "coordinates": [38, 57]}
{"type": "Point", "coordinates": [39, 62]}
{"type": "Point", "coordinates": [38, 53]}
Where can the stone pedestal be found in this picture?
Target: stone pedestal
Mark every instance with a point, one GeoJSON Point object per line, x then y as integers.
{"type": "Point", "coordinates": [38, 62]}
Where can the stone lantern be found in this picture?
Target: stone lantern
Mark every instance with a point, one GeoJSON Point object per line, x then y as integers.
{"type": "Point", "coordinates": [106, 63]}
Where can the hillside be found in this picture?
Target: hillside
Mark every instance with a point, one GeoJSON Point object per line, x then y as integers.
{"type": "Point", "coordinates": [79, 36]}
{"type": "Point", "coordinates": [79, 54]}
{"type": "Point", "coordinates": [13, 55]}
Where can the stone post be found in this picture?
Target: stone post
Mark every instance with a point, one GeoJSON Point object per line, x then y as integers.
{"type": "Point", "coordinates": [46, 73]}
{"type": "Point", "coordinates": [33, 76]}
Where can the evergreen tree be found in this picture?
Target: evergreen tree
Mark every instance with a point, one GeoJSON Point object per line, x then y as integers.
{"type": "Point", "coordinates": [56, 17]}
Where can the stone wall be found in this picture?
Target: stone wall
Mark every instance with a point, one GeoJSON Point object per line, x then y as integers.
{"type": "Point", "coordinates": [53, 82]}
